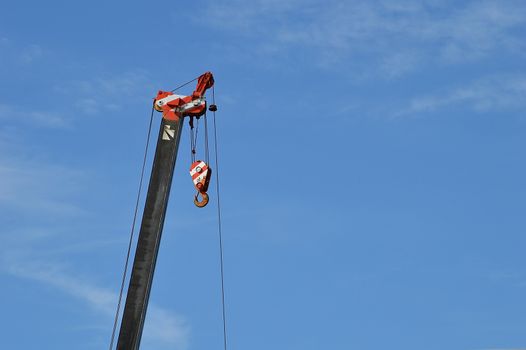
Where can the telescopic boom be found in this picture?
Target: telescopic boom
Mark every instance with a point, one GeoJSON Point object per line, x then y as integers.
{"type": "Point", "coordinates": [174, 108]}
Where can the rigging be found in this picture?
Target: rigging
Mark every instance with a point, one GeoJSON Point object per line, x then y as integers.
{"type": "Point", "coordinates": [174, 109]}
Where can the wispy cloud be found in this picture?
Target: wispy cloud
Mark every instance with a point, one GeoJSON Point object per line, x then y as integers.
{"type": "Point", "coordinates": [166, 327]}
{"type": "Point", "coordinates": [394, 37]}
{"type": "Point", "coordinates": [111, 93]}
{"type": "Point", "coordinates": [510, 278]}
{"type": "Point", "coordinates": [52, 275]}
{"type": "Point", "coordinates": [16, 53]}
{"type": "Point", "coordinates": [89, 97]}
{"type": "Point", "coordinates": [86, 94]}
{"type": "Point", "coordinates": [33, 185]}
{"type": "Point", "coordinates": [16, 56]}
{"type": "Point", "coordinates": [47, 119]}
{"type": "Point", "coordinates": [504, 349]}
{"type": "Point", "coordinates": [40, 250]}
{"type": "Point", "coordinates": [31, 53]}
{"type": "Point", "coordinates": [162, 326]}
{"type": "Point", "coordinates": [495, 93]}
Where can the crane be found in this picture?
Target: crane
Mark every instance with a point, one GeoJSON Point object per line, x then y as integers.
{"type": "Point", "coordinates": [174, 109]}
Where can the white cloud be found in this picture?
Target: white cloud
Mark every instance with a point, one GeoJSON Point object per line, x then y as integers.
{"type": "Point", "coordinates": [479, 29]}
{"type": "Point", "coordinates": [38, 198]}
{"type": "Point", "coordinates": [89, 97]}
{"type": "Point", "coordinates": [48, 191]}
{"type": "Point", "coordinates": [31, 53]}
{"type": "Point", "coordinates": [15, 53]}
{"type": "Point", "coordinates": [32, 185]}
{"type": "Point", "coordinates": [396, 37]}
{"type": "Point", "coordinates": [162, 327]}
{"type": "Point", "coordinates": [48, 119]}
{"type": "Point", "coordinates": [496, 93]}
{"type": "Point", "coordinates": [52, 275]}
{"type": "Point", "coordinates": [398, 64]}
{"type": "Point", "coordinates": [88, 105]}
{"type": "Point", "coordinates": [104, 94]}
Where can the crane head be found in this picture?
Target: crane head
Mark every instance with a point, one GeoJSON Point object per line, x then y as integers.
{"type": "Point", "coordinates": [175, 106]}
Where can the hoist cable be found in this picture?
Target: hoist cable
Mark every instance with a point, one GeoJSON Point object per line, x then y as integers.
{"type": "Point", "coordinates": [132, 231]}
{"type": "Point", "coordinates": [193, 138]}
{"type": "Point", "coordinates": [192, 147]}
{"type": "Point", "coordinates": [207, 152]}
{"type": "Point", "coordinates": [220, 233]}
{"type": "Point", "coordinates": [196, 135]}
{"type": "Point", "coordinates": [180, 86]}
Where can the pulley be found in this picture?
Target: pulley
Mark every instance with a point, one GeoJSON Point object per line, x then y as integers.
{"type": "Point", "coordinates": [201, 174]}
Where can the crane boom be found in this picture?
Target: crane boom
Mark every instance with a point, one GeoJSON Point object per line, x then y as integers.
{"type": "Point", "coordinates": [174, 108]}
{"type": "Point", "coordinates": [149, 235]}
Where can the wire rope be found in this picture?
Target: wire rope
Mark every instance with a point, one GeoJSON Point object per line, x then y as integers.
{"type": "Point", "coordinates": [183, 85]}
{"type": "Point", "coordinates": [220, 231]}
{"type": "Point", "coordinates": [193, 142]}
{"type": "Point", "coordinates": [207, 152]}
{"type": "Point", "coordinates": [192, 147]}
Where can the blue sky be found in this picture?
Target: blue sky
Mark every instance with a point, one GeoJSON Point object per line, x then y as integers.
{"type": "Point", "coordinates": [371, 162]}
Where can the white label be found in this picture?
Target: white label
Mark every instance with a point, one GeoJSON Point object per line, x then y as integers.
{"type": "Point", "coordinates": [168, 133]}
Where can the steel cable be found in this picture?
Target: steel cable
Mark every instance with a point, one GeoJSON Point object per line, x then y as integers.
{"type": "Point", "coordinates": [180, 86]}
{"type": "Point", "coordinates": [220, 231]}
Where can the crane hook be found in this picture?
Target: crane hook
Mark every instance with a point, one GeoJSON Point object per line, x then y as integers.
{"type": "Point", "coordinates": [200, 172]}
{"type": "Point", "coordinates": [203, 202]}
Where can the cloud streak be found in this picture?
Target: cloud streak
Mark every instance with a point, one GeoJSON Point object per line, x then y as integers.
{"type": "Point", "coordinates": [32, 185]}
{"type": "Point", "coordinates": [24, 54]}
{"type": "Point", "coordinates": [496, 93]}
{"type": "Point", "coordinates": [162, 328]}
{"type": "Point", "coordinates": [396, 38]}
{"type": "Point", "coordinates": [88, 96]}
{"type": "Point", "coordinates": [105, 94]}
{"type": "Point", "coordinates": [35, 250]}
{"type": "Point", "coordinates": [47, 119]}
{"type": "Point", "coordinates": [52, 275]}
